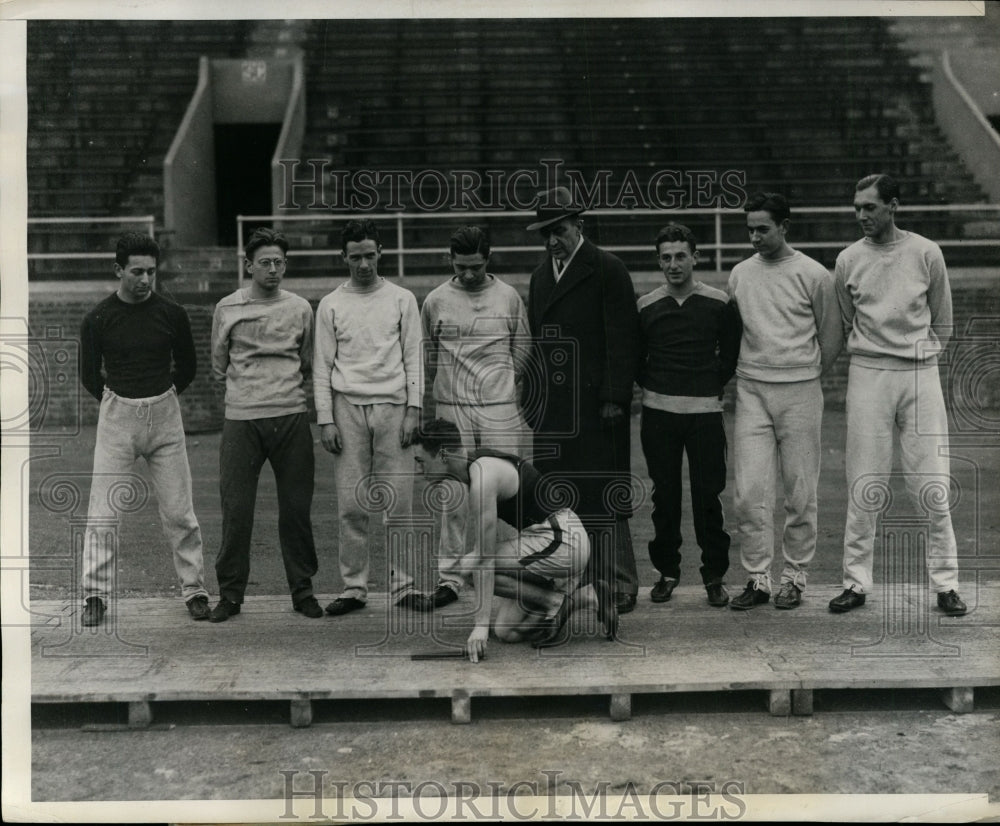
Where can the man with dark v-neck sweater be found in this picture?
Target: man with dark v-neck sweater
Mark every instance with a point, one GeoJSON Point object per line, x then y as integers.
{"type": "Point", "coordinates": [137, 354]}
{"type": "Point", "coordinates": [689, 344]}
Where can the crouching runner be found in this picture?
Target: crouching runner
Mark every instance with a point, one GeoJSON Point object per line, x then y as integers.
{"type": "Point", "coordinates": [534, 575]}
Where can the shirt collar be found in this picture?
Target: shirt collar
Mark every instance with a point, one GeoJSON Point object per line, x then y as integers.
{"type": "Point", "coordinates": [556, 272]}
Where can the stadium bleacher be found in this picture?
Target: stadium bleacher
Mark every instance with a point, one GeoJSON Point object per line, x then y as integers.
{"type": "Point", "coordinates": [800, 105]}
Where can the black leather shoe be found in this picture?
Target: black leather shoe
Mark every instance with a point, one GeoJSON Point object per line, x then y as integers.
{"type": "Point", "coordinates": [93, 612]}
{"type": "Point", "coordinates": [718, 597]}
{"type": "Point", "coordinates": [624, 603]}
{"type": "Point", "coordinates": [846, 601]}
{"type": "Point", "coordinates": [751, 597]}
{"type": "Point", "coordinates": [415, 601]}
{"type": "Point", "coordinates": [344, 605]}
{"type": "Point", "coordinates": [442, 596]}
{"type": "Point", "coordinates": [951, 604]}
{"type": "Point", "coordinates": [198, 608]}
{"type": "Point", "coordinates": [556, 630]}
{"type": "Point", "coordinates": [309, 607]}
{"type": "Point", "coordinates": [789, 596]}
{"type": "Point", "coordinates": [662, 590]}
{"type": "Point", "coordinates": [224, 610]}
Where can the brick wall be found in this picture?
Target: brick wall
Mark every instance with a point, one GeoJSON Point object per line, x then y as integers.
{"type": "Point", "coordinates": [970, 376]}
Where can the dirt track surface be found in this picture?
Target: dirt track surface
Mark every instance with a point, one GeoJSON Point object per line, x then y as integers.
{"type": "Point", "coordinates": [877, 743]}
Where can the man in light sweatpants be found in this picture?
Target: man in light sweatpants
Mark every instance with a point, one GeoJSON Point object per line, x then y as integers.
{"type": "Point", "coordinates": [895, 303]}
{"type": "Point", "coordinates": [476, 347]}
{"type": "Point", "coordinates": [368, 389]}
{"type": "Point", "coordinates": [791, 335]}
{"type": "Point", "coordinates": [136, 355]}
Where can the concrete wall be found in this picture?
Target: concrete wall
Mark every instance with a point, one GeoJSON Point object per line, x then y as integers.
{"type": "Point", "coordinates": [966, 126]}
{"type": "Point", "coordinates": [251, 91]}
{"type": "Point", "coordinates": [189, 172]}
{"type": "Point", "coordinates": [971, 374]}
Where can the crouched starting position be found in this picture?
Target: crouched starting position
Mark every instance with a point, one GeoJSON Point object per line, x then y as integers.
{"type": "Point", "coordinates": [535, 575]}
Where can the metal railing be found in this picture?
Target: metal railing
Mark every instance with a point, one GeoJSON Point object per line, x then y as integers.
{"type": "Point", "coordinates": [399, 220]}
{"type": "Point", "coordinates": [717, 245]}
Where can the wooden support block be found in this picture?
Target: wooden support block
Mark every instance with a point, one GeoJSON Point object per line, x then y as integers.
{"type": "Point", "coordinates": [780, 702]}
{"type": "Point", "coordinates": [461, 707]}
{"type": "Point", "coordinates": [959, 700]}
{"type": "Point", "coordinates": [621, 707]}
{"type": "Point", "coordinates": [802, 701]}
{"type": "Point", "coordinates": [301, 713]}
{"type": "Point", "coordinates": [140, 715]}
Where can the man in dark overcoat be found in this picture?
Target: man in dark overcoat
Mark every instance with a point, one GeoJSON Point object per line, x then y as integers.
{"type": "Point", "coordinates": [584, 321]}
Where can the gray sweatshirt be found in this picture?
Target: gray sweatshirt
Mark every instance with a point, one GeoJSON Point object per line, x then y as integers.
{"type": "Point", "coordinates": [477, 342]}
{"type": "Point", "coordinates": [261, 351]}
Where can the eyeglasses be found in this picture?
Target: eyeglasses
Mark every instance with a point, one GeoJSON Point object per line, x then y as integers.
{"type": "Point", "coordinates": [266, 263]}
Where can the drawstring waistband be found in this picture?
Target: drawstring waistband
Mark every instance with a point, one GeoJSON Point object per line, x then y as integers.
{"type": "Point", "coordinates": [143, 407]}
{"type": "Point", "coordinates": [145, 410]}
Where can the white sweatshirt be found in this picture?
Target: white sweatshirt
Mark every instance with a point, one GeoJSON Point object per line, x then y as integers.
{"type": "Point", "coordinates": [367, 348]}
{"type": "Point", "coordinates": [895, 302]}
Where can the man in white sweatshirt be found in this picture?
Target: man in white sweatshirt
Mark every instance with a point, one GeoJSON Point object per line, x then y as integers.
{"type": "Point", "coordinates": [791, 335]}
{"type": "Point", "coordinates": [262, 341]}
{"type": "Point", "coordinates": [895, 304]}
{"type": "Point", "coordinates": [368, 389]}
{"type": "Point", "coordinates": [476, 347]}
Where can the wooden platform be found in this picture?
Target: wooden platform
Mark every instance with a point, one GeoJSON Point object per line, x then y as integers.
{"type": "Point", "coordinates": [149, 650]}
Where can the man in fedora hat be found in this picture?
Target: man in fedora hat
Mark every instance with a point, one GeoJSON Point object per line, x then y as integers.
{"type": "Point", "coordinates": [583, 317]}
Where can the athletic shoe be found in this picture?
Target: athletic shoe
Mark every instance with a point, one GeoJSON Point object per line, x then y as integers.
{"type": "Point", "coordinates": [607, 608]}
{"type": "Point", "coordinates": [662, 590]}
{"type": "Point", "coordinates": [442, 596]}
{"type": "Point", "coordinates": [93, 612]}
{"type": "Point", "coordinates": [415, 601]}
{"type": "Point", "coordinates": [717, 594]}
{"type": "Point", "coordinates": [951, 604]}
{"type": "Point", "coordinates": [344, 605]}
{"type": "Point", "coordinates": [846, 601]}
{"type": "Point", "coordinates": [198, 608]}
{"type": "Point", "coordinates": [310, 608]}
{"type": "Point", "coordinates": [790, 596]}
{"type": "Point", "coordinates": [751, 597]}
{"type": "Point", "coordinates": [555, 630]}
{"type": "Point", "coordinates": [224, 610]}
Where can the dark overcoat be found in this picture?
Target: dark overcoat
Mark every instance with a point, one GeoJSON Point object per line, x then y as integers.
{"type": "Point", "coordinates": [586, 334]}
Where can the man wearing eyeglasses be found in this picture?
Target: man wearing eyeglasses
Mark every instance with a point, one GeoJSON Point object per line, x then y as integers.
{"type": "Point", "coordinates": [262, 341]}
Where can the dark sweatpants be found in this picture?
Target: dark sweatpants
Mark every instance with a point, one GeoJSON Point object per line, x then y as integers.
{"type": "Point", "coordinates": [665, 437]}
{"type": "Point", "coordinates": [286, 442]}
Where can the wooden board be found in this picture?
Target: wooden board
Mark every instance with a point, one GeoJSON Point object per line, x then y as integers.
{"type": "Point", "coordinates": [150, 650]}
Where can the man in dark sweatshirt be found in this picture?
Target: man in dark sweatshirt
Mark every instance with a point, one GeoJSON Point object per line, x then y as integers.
{"type": "Point", "coordinates": [690, 341]}
{"type": "Point", "coordinates": [144, 344]}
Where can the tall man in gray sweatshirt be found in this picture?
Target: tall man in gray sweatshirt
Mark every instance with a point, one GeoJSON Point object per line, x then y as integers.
{"type": "Point", "coordinates": [791, 334]}
{"type": "Point", "coordinates": [895, 303]}
{"type": "Point", "coordinates": [262, 340]}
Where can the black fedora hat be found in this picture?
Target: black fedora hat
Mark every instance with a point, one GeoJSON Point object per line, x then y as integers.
{"type": "Point", "coordinates": [554, 205]}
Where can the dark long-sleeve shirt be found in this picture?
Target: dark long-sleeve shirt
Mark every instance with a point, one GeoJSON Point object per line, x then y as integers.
{"type": "Point", "coordinates": [144, 348]}
{"type": "Point", "coordinates": [689, 348]}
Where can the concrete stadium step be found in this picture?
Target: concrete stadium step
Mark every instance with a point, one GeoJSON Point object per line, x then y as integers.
{"type": "Point", "coordinates": [149, 651]}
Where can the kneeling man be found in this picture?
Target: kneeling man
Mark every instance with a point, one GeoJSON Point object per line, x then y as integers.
{"type": "Point", "coordinates": [535, 575]}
